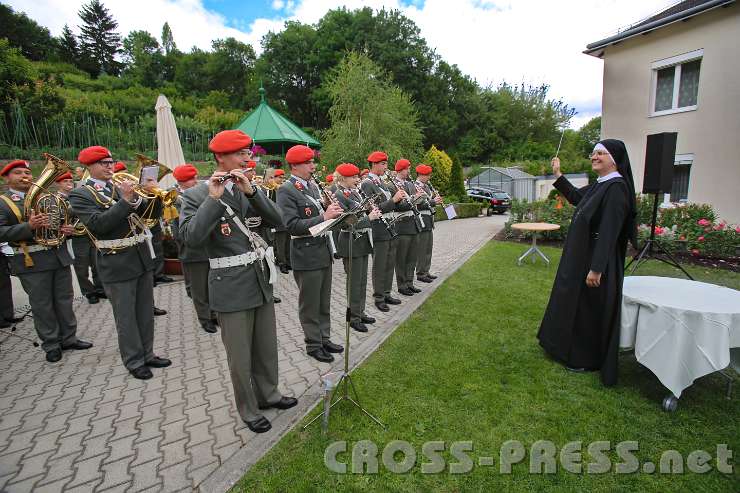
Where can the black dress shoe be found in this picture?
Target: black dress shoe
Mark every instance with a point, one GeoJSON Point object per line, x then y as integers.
{"type": "Point", "coordinates": [142, 373]}
{"type": "Point", "coordinates": [214, 321]}
{"type": "Point", "coordinates": [431, 276]}
{"type": "Point", "coordinates": [209, 327]}
{"type": "Point", "coordinates": [321, 355]}
{"type": "Point", "coordinates": [424, 279]}
{"type": "Point", "coordinates": [392, 301]}
{"type": "Point", "coordinates": [157, 362]}
{"type": "Point", "coordinates": [415, 289]}
{"type": "Point", "coordinates": [285, 269]}
{"type": "Point", "coordinates": [79, 344]}
{"type": "Point", "coordinates": [159, 311]}
{"type": "Point", "coordinates": [92, 298]}
{"type": "Point", "coordinates": [366, 319]}
{"type": "Point", "coordinates": [577, 369]}
{"type": "Point", "coordinates": [101, 294]}
{"type": "Point", "coordinates": [163, 279]}
{"type": "Point", "coordinates": [259, 425]}
{"type": "Point", "coordinates": [275, 299]}
{"type": "Point", "coordinates": [406, 292]}
{"type": "Point", "coordinates": [380, 305]}
{"type": "Point", "coordinates": [4, 324]}
{"type": "Point", "coordinates": [54, 355]}
{"type": "Point", "coordinates": [358, 326]}
{"type": "Point", "coordinates": [284, 403]}
{"type": "Point", "coordinates": [330, 347]}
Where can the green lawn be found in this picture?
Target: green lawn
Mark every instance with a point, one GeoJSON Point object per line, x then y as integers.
{"type": "Point", "coordinates": [467, 367]}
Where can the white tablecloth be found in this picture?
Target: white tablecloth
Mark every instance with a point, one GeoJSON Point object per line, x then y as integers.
{"type": "Point", "coordinates": [681, 330]}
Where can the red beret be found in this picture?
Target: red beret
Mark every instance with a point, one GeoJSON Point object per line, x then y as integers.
{"type": "Point", "coordinates": [251, 165]}
{"type": "Point", "coordinates": [184, 172]}
{"type": "Point", "coordinates": [423, 169]}
{"type": "Point", "coordinates": [299, 154]}
{"type": "Point", "coordinates": [365, 172]}
{"type": "Point", "coordinates": [119, 166]}
{"type": "Point", "coordinates": [377, 156]}
{"type": "Point", "coordinates": [91, 155]}
{"type": "Point", "coordinates": [329, 178]}
{"type": "Point", "coordinates": [279, 172]}
{"type": "Point", "coordinates": [229, 141]}
{"type": "Point", "coordinates": [348, 169]}
{"type": "Point", "coordinates": [65, 176]}
{"type": "Point", "coordinates": [402, 164]}
{"type": "Point", "coordinates": [19, 163]}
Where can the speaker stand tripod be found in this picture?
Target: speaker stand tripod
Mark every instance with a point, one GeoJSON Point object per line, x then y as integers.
{"type": "Point", "coordinates": [653, 248]}
{"type": "Point", "coordinates": [11, 331]}
{"type": "Point", "coordinates": [342, 386]}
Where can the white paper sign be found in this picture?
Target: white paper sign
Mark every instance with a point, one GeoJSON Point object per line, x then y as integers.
{"type": "Point", "coordinates": [450, 211]}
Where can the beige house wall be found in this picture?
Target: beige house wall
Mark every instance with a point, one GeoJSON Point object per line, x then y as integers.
{"type": "Point", "coordinates": [711, 132]}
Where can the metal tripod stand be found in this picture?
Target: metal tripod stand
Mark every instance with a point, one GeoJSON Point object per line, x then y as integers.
{"type": "Point", "coordinates": [12, 331]}
{"type": "Point", "coordinates": [342, 386]}
{"type": "Point", "coordinates": [653, 249]}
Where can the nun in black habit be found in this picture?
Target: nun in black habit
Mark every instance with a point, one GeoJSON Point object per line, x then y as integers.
{"type": "Point", "coordinates": [581, 324]}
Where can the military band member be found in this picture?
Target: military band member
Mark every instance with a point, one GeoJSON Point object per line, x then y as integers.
{"type": "Point", "coordinates": [214, 217]}
{"type": "Point", "coordinates": [120, 166]}
{"type": "Point", "coordinates": [44, 272]}
{"type": "Point", "coordinates": [194, 261]}
{"type": "Point", "coordinates": [299, 200]}
{"type": "Point", "coordinates": [408, 225]}
{"type": "Point", "coordinates": [282, 237]}
{"type": "Point", "coordinates": [83, 249]}
{"type": "Point", "coordinates": [384, 239]}
{"type": "Point", "coordinates": [7, 311]}
{"type": "Point", "coordinates": [124, 257]}
{"type": "Point", "coordinates": [426, 236]}
{"type": "Point", "coordinates": [348, 177]}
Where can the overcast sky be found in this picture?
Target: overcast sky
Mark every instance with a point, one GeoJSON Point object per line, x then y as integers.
{"type": "Point", "coordinates": [530, 41]}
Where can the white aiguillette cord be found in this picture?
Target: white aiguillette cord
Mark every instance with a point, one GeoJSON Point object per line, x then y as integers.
{"type": "Point", "coordinates": [259, 245]}
{"type": "Point", "coordinates": [135, 223]}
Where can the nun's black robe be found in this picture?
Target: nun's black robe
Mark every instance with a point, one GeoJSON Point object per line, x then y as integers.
{"type": "Point", "coordinates": [581, 324]}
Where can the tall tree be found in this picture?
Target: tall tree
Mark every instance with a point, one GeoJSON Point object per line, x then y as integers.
{"type": "Point", "coordinates": [100, 43]}
{"type": "Point", "coordinates": [231, 68]}
{"type": "Point", "coordinates": [69, 49]}
{"type": "Point", "coordinates": [168, 41]}
{"type": "Point", "coordinates": [368, 113]}
{"type": "Point", "coordinates": [34, 41]}
{"type": "Point", "coordinates": [143, 57]}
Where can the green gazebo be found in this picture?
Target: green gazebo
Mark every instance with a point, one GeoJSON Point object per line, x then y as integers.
{"type": "Point", "coordinates": [273, 131]}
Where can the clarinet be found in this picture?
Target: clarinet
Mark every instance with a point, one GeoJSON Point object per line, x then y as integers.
{"type": "Point", "coordinates": [374, 201]}
{"type": "Point", "coordinates": [328, 197]}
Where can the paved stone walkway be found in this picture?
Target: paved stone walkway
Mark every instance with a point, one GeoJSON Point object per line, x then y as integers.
{"type": "Point", "coordinates": [85, 425]}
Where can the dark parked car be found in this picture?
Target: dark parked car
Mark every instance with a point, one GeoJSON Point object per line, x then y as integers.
{"type": "Point", "coordinates": [496, 200]}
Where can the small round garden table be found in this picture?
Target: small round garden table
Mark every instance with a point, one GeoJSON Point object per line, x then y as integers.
{"type": "Point", "coordinates": [534, 228]}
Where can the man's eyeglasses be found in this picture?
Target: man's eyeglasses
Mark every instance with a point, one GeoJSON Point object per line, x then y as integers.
{"type": "Point", "coordinates": [106, 163]}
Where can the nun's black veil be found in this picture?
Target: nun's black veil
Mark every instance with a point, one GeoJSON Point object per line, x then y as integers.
{"type": "Point", "coordinates": [619, 153]}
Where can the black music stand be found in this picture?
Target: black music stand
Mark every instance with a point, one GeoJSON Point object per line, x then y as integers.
{"type": "Point", "coordinates": [349, 218]}
{"type": "Point", "coordinates": [653, 249]}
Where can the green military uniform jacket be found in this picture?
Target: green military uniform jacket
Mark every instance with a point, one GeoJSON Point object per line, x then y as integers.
{"type": "Point", "coordinates": [372, 185]}
{"type": "Point", "coordinates": [13, 232]}
{"type": "Point", "coordinates": [300, 208]}
{"type": "Point", "coordinates": [407, 225]}
{"type": "Point", "coordinates": [186, 253]}
{"type": "Point", "coordinates": [106, 218]}
{"type": "Point", "coordinates": [205, 223]}
{"type": "Point", "coordinates": [427, 205]}
{"type": "Point", "coordinates": [349, 199]}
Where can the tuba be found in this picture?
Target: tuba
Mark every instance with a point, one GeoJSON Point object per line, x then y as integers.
{"type": "Point", "coordinates": [40, 200]}
{"type": "Point", "coordinates": [168, 197]}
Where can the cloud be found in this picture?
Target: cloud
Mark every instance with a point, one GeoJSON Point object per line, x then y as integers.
{"type": "Point", "coordinates": [517, 41]}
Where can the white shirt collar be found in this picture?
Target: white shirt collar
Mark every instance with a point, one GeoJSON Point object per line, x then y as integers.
{"type": "Point", "coordinates": [301, 180]}
{"type": "Point", "coordinates": [102, 183]}
{"type": "Point", "coordinates": [372, 175]}
{"type": "Point", "coordinates": [613, 174]}
{"type": "Point", "coordinates": [17, 192]}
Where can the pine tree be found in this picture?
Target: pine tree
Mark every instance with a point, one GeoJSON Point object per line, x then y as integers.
{"type": "Point", "coordinates": [168, 41]}
{"type": "Point", "coordinates": [69, 49]}
{"type": "Point", "coordinates": [99, 41]}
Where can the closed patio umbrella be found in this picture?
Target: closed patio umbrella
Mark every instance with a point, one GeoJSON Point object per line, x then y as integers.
{"type": "Point", "coordinates": [169, 150]}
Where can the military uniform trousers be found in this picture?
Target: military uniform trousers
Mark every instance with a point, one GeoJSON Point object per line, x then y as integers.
{"type": "Point", "coordinates": [406, 253]}
{"type": "Point", "coordinates": [196, 283]}
{"type": "Point", "coordinates": [424, 247]}
{"type": "Point", "coordinates": [50, 294]}
{"type": "Point", "coordinates": [6, 290]}
{"type": "Point", "coordinates": [83, 262]}
{"type": "Point", "coordinates": [133, 310]}
{"type": "Point", "coordinates": [356, 286]}
{"type": "Point", "coordinates": [158, 246]}
{"type": "Point", "coordinates": [314, 299]}
{"type": "Point", "coordinates": [250, 340]}
{"type": "Point", "coordinates": [384, 263]}
{"type": "Point", "coordinates": [282, 247]}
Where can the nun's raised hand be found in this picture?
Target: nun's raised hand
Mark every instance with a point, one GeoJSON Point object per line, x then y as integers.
{"type": "Point", "coordinates": [593, 279]}
{"type": "Point", "coordinates": [555, 163]}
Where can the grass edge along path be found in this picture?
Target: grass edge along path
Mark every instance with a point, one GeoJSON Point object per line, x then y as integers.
{"type": "Point", "coordinates": [466, 367]}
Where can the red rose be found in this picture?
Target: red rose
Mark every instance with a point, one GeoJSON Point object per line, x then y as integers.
{"type": "Point", "coordinates": [701, 238]}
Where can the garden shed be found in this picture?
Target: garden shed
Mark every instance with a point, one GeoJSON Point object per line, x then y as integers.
{"type": "Point", "coordinates": [514, 181]}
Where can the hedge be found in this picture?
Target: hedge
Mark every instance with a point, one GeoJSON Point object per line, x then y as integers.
{"type": "Point", "coordinates": [466, 209]}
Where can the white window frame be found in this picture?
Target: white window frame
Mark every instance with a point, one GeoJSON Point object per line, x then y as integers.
{"type": "Point", "coordinates": [680, 159]}
{"type": "Point", "coordinates": [674, 61]}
